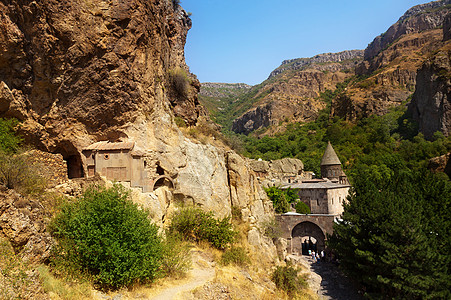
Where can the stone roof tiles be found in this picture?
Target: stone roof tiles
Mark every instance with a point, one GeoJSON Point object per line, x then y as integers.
{"type": "Point", "coordinates": [330, 157]}
{"type": "Point", "coordinates": [106, 145]}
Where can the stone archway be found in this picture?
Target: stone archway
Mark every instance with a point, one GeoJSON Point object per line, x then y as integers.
{"type": "Point", "coordinates": [308, 233]}
{"type": "Point", "coordinates": [163, 180]}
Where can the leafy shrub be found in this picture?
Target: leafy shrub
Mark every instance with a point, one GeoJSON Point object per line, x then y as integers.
{"type": "Point", "coordinates": [176, 259]}
{"type": "Point", "coordinates": [281, 199]}
{"type": "Point", "coordinates": [286, 278]}
{"type": "Point", "coordinates": [16, 172]}
{"type": "Point", "coordinates": [179, 81]}
{"type": "Point", "coordinates": [195, 224]}
{"type": "Point", "coordinates": [180, 122]}
{"type": "Point", "coordinates": [302, 208]}
{"type": "Point", "coordinates": [106, 236]}
{"type": "Point", "coordinates": [271, 229]}
{"type": "Point", "coordinates": [9, 142]}
{"type": "Point", "coordinates": [235, 255]}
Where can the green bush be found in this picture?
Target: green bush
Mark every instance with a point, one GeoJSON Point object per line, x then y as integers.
{"type": "Point", "coordinates": [235, 255]}
{"type": "Point", "coordinates": [302, 208]}
{"type": "Point", "coordinates": [16, 172]}
{"type": "Point", "coordinates": [9, 142]}
{"type": "Point", "coordinates": [180, 81]}
{"type": "Point", "coordinates": [271, 229]}
{"type": "Point", "coordinates": [281, 199]}
{"type": "Point", "coordinates": [197, 225]}
{"type": "Point", "coordinates": [286, 278]}
{"type": "Point", "coordinates": [176, 259]}
{"type": "Point", "coordinates": [106, 236]}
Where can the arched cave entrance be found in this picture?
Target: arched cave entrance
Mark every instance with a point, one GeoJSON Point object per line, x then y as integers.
{"type": "Point", "coordinates": [163, 181]}
{"type": "Point", "coordinates": [73, 159]}
{"type": "Point", "coordinates": [305, 236]}
{"type": "Point", "coordinates": [74, 166]}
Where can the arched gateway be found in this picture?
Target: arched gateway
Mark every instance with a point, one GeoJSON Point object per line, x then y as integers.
{"type": "Point", "coordinates": [305, 231]}
{"type": "Point", "coordinates": [307, 236]}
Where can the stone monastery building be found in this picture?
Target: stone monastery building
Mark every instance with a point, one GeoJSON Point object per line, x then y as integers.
{"type": "Point", "coordinates": [325, 198]}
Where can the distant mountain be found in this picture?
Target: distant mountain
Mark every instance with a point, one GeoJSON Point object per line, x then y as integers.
{"type": "Point", "coordinates": [350, 84]}
{"type": "Point", "coordinates": [387, 77]}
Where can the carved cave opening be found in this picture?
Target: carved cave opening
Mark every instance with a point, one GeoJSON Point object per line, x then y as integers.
{"type": "Point", "coordinates": [163, 181]}
{"type": "Point", "coordinates": [160, 170]}
{"type": "Point", "coordinates": [72, 158]}
{"type": "Point", "coordinates": [307, 236]}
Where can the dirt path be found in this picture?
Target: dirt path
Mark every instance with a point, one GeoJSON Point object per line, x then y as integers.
{"type": "Point", "coordinates": [203, 270]}
{"type": "Point", "coordinates": [329, 282]}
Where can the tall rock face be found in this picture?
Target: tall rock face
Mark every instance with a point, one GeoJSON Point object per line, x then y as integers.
{"type": "Point", "coordinates": [90, 66]}
{"type": "Point", "coordinates": [387, 76]}
{"type": "Point", "coordinates": [292, 91]}
{"type": "Point", "coordinates": [418, 18]}
{"type": "Point", "coordinates": [78, 72]}
{"type": "Point", "coordinates": [431, 102]}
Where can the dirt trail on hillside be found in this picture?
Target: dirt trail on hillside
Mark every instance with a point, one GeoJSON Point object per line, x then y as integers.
{"type": "Point", "coordinates": [203, 271]}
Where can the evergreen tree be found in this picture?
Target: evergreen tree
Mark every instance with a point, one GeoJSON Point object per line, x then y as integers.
{"type": "Point", "coordinates": [394, 236]}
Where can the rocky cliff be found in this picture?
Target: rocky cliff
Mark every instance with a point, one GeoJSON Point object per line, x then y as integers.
{"type": "Point", "coordinates": [344, 57]}
{"type": "Point", "coordinates": [387, 76]}
{"type": "Point", "coordinates": [431, 102]}
{"type": "Point", "coordinates": [417, 19]}
{"type": "Point", "coordinates": [77, 72]}
{"type": "Point", "coordinates": [380, 77]}
{"type": "Point", "coordinates": [292, 91]}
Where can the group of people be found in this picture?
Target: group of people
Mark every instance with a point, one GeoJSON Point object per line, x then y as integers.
{"type": "Point", "coordinates": [317, 257]}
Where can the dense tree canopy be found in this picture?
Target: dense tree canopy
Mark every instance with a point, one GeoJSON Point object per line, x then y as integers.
{"type": "Point", "coordinates": [395, 233]}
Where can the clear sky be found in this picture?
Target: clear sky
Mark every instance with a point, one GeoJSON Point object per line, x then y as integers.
{"type": "Point", "coordinates": [244, 40]}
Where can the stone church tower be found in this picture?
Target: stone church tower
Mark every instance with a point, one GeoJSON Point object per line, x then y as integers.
{"type": "Point", "coordinates": [331, 166]}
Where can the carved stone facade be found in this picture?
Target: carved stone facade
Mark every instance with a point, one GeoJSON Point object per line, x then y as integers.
{"type": "Point", "coordinates": [122, 162]}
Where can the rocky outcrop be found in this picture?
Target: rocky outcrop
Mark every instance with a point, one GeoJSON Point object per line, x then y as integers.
{"type": "Point", "coordinates": [388, 73]}
{"type": "Point", "coordinates": [92, 68]}
{"type": "Point", "coordinates": [292, 93]}
{"type": "Point", "coordinates": [431, 102]}
{"type": "Point", "coordinates": [417, 19]}
{"type": "Point", "coordinates": [285, 170]}
{"type": "Point", "coordinates": [248, 196]}
{"type": "Point", "coordinates": [389, 78]}
{"type": "Point", "coordinates": [79, 72]}
{"type": "Point", "coordinates": [23, 224]}
{"type": "Point", "coordinates": [441, 164]}
{"type": "Point", "coordinates": [253, 119]}
{"type": "Point", "coordinates": [344, 57]}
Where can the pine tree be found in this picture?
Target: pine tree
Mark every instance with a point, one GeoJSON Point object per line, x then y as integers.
{"type": "Point", "coordinates": [394, 236]}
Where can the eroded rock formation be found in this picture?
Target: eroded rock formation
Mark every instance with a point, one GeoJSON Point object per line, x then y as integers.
{"type": "Point", "coordinates": [431, 102]}
{"type": "Point", "coordinates": [78, 72]}
{"type": "Point", "coordinates": [388, 73]}
{"type": "Point", "coordinates": [292, 91]}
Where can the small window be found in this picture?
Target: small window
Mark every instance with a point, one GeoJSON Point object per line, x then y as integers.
{"type": "Point", "coordinates": [106, 156]}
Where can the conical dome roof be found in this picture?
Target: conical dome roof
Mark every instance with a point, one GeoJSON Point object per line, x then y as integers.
{"type": "Point", "coordinates": [330, 157]}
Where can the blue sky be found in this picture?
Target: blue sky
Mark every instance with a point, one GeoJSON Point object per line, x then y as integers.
{"type": "Point", "coordinates": [243, 41]}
